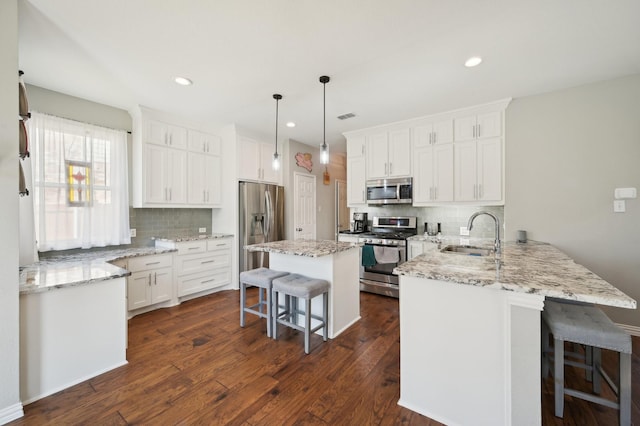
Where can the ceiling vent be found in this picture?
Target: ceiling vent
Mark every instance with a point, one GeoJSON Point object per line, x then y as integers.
{"type": "Point", "coordinates": [346, 116]}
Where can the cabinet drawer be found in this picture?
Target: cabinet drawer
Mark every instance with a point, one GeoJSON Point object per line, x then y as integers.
{"type": "Point", "coordinates": [143, 263]}
{"type": "Point", "coordinates": [219, 244]}
{"type": "Point", "coordinates": [200, 282]}
{"type": "Point", "coordinates": [191, 247]}
{"type": "Point", "coordinates": [195, 264]}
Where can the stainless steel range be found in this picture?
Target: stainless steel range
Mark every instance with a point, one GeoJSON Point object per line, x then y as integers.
{"type": "Point", "coordinates": [385, 247]}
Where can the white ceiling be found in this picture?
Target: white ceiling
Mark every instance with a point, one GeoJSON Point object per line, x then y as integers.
{"type": "Point", "coordinates": [388, 60]}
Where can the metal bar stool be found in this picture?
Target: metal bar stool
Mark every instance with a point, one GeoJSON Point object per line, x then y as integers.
{"type": "Point", "coordinates": [588, 326]}
{"type": "Point", "coordinates": [298, 286]}
{"type": "Point", "coordinates": [263, 279]}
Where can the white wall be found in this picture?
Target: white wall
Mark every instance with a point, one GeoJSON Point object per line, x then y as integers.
{"type": "Point", "coordinates": [325, 194]}
{"type": "Point", "coordinates": [10, 406]}
{"type": "Point", "coordinates": [566, 152]}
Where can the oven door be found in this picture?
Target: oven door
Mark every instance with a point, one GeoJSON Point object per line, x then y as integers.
{"type": "Point", "coordinates": [379, 278]}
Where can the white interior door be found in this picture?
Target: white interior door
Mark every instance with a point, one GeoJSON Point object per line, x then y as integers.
{"type": "Point", "coordinates": [304, 195]}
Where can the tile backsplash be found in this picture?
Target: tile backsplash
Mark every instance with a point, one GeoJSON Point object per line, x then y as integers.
{"type": "Point", "coordinates": [150, 223]}
{"type": "Point", "coordinates": [450, 217]}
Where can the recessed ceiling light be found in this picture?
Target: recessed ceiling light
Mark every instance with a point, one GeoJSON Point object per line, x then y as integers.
{"type": "Point", "coordinates": [183, 81]}
{"type": "Point", "coordinates": [473, 61]}
{"type": "Point", "coordinates": [291, 124]}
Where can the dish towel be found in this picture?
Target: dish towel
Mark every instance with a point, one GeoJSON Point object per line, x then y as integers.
{"type": "Point", "coordinates": [368, 257]}
{"type": "Point", "coordinates": [386, 254]}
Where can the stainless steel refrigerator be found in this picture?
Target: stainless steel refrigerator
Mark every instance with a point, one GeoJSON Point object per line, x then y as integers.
{"type": "Point", "coordinates": [261, 220]}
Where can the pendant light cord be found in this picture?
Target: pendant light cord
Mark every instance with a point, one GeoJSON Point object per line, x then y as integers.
{"type": "Point", "coordinates": [277, 125]}
{"type": "Point", "coordinates": [324, 114]}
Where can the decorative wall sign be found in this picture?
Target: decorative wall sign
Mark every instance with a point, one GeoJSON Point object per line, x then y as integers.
{"type": "Point", "coordinates": [78, 184]}
{"type": "Point", "coordinates": [326, 179]}
{"type": "Point", "coordinates": [304, 160]}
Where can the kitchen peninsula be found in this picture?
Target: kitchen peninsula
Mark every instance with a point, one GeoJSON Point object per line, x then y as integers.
{"type": "Point", "coordinates": [470, 329]}
{"type": "Point", "coordinates": [336, 262]}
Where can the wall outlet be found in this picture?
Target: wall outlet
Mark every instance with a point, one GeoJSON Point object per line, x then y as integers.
{"type": "Point", "coordinates": [202, 230]}
{"type": "Point", "coordinates": [619, 206]}
{"type": "Point", "coordinates": [464, 241]}
{"type": "Point", "coordinates": [464, 231]}
{"type": "Point", "coordinates": [132, 232]}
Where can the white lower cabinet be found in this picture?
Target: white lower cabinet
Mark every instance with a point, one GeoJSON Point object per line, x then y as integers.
{"type": "Point", "coordinates": [202, 265]}
{"type": "Point", "coordinates": [416, 248]}
{"type": "Point", "coordinates": [151, 280]}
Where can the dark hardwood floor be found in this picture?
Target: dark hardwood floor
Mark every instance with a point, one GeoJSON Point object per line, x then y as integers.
{"type": "Point", "coordinates": [193, 364]}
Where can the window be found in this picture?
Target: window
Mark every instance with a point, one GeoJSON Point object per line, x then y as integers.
{"type": "Point", "coordinates": [80, 184]}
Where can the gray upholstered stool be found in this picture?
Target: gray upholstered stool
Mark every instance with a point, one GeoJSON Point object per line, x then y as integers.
{"type": "Point", "coordinates": [588, 326]}
{"type": "Point", "coordinates": [261, 278]}
{"type": "Point", "coordinates": [298, 286]}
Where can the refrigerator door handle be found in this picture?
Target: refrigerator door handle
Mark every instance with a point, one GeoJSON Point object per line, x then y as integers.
{"type": "Point", "coordinates": [269, 209]}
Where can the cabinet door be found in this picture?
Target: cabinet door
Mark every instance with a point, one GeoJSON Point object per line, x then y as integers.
{"type": "Point", "coordinates": [155, 174]}
{"type": "Point", "coordinates": [139, 290]}
{"type": "Point", "coordinates": [356, 146]}
{"type": "Point", "coordinates": [155, 132]}
{"type": "Point", "coordinates": [377, 156]}
{"type": "Point", "coordinates": [489, 157]}
{"type": "Point", "coordinates": [266, 161]}
{"type": "Point", "coordinates": [198, 185]}
{"type": "Point", "coordinates": [423, 175]}
{"type": "Point", "coordinates": [356, 182]}
{"type": "Point", "coordinates": [489, 125]}
{"type": "Point", "coordinates": [443, 172]}
{"type": "Point", "coordinates": [416, 248]}
{"type": "Point", "coordinates": [422, 136]}
{"type": "Point", "coordinates": [465, 171]}
{"type": "Point", "coordinates": [248, 159]}
{"type": "Point", "coordinates": [443, 131]}
{"type": "Point", "coordinates": [464, 128]}
{"type": "Point", "coordinates": [162, 284]}
{"type": "Point", "coordinates": [176, 136]}
{"type": "Point", "coordinates": [399, 150]}
{"type": "Point", "coordinates": [176, 176]}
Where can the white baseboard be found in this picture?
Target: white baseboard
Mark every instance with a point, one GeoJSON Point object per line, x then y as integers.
{"type": "Point", "coordinates": [11, 413]}
{"type": "Point", "coordinates": [631, 329]}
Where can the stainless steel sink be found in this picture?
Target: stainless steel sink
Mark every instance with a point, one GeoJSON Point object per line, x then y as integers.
{"type": "Point", "coordinates": [468, 250]}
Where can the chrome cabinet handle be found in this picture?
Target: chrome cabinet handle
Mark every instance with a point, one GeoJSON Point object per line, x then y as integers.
{"type": "Point", "coordinates": [149, 279]}
{"type": "Point", "coordinates": [207, 261]}
{"type": "Point", "coordinates": [155, 278]}
{"type": "Point", "coordinates": [152, 263]}
{"type": "Point", "coordinates": [386, 168]}
{"type": "Point", "coordinates": [478, 130]}
{"type": "Point", "coordinates": [390, 168]}
{"type": "Point", "coordinates": [207, 281]}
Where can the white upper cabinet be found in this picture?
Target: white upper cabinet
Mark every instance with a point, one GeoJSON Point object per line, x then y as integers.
{"type": "Point", "coordinates": [480, 126]}
{"type": "Point", "coordinates": [174, 166]}
{"type": "Point", "coordinates": [255, 161]}
{"type": "Point", "coordinates": [478, 171]}
{"type": "Point", "coordinates": [389, 154]}
{"type": "Point", "coordinates": [454, 157]}
{"type": "Point", "coordinates": [165, 175]}
{"type": "Point", "coordinates": [204, 143]}
{"type": "Point", "coordinates": [160, 133]}
{"type": "Point", "coordinates": [433, 163]}
{"type": "Point", "coordinates": [356, 171]}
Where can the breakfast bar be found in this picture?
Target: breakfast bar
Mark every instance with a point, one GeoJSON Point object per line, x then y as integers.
{"type": "Point", "coordinates": [335, 262]}
{"type": "Point", "coordinates": [470, 329]}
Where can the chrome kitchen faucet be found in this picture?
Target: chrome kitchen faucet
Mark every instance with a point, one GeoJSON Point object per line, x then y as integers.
{"type": "Point", "coordinates": [495, 218]}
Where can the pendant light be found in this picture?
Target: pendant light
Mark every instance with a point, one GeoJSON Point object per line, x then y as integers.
{"type": "Point", "coordinates": [276, 158]}
{"type": "Point", "coordinates": [324, 148]}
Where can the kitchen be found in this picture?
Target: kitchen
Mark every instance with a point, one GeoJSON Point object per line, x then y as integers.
{"type": "Point", "coordinates": [559, 177]}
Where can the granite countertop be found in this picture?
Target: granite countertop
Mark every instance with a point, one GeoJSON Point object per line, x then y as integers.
{"type": "Point", "coordinates": [533, 267]}
{"type": "Point", "coordinates": [309, 248]}
{"type": "Point", "coordinates": [78, 269]}
{"type": "Point", "coordinates": [181, 238]}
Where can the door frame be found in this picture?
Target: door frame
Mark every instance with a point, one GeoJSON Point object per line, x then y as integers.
{"type": "Point", "coordinates": [336, 223]}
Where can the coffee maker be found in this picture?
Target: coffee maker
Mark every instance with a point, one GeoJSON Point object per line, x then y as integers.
{"type": "Point", "coordinates": [359, 222]}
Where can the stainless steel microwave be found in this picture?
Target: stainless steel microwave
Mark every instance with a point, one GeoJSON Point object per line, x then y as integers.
{"type": "Point", "coordinates": [390, 191]}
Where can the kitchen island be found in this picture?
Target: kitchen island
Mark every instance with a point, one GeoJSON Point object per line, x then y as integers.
{"type": "Point", "coordinates": [470, 329]}
{"type": "Point", "coordinates": [336, 262]}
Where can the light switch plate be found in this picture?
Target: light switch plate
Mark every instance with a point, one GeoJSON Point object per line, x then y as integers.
{"type": "Point", "coordinates": [464, 231]}
{"type": "Point", "coordinates": [619, 206]}
{"type": "Point", "coordinates": [132, 232]}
